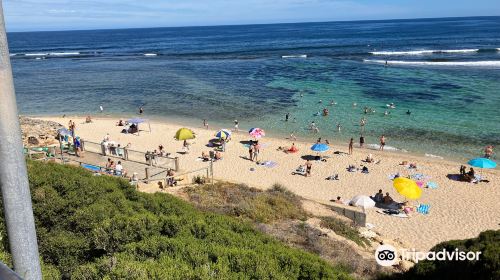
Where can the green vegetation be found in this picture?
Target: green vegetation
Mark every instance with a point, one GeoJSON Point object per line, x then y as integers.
{"type": "Point", "coordinates": [98, 227]}
{"type": "Point", "coordinates": [277, 203]}
{"type": "Point", "coordinates": [343, 229]}
{"type": "Point", "coordinates": [487, 267]}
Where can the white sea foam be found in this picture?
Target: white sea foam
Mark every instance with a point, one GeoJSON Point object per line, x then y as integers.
{"type": "Point", "coordinates": [433, 156]}
{"type": "Point", "coordinates": [486, 63]}
{"type": "Point", "coordinates": [150, 54]}
{"type": "Point", "coordinates": [294, 56]}
{"type": "Point", "coordinates": [386, 148]}
{"type": "Point", "coordinates": [12, 54]}
{"type": "Point", "coordinates": [63, 53]}
{"type": "Point", "coordinates": [423, 52]}
{"type": "Point", "coordinates": [36, 54]}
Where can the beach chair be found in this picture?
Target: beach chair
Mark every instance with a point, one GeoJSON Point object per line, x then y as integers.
{"type": "Point", "coordinates": [423, 209]}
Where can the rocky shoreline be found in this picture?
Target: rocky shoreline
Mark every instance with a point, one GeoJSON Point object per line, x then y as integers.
{"type": "Point", "coordinates": [38, 133]}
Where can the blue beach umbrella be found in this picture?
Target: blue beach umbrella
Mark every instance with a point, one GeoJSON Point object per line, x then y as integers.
{"type": "Point", "coordinates": [320, 147]}
{"type": "Point", "coordinates": [64, 132]}
{"type": "Point", "coordinates": [482, 163]}
{"type": "Point", "coordinates": [223, 134]}
{"type": "Point", "coordinates": [136, 120]}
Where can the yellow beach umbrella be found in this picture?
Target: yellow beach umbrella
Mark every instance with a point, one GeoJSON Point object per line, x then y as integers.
{"type": "Point", "coordinates": [184, 134]}
{"type": "Point", "coordinates": [407, 188]}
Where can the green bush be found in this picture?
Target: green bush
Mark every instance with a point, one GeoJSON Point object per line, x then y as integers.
{"type": "Point", "coordinates": [487, 267]}
{"type": "Point", "coordinates": [343, 229]}
{"type": "Point", "coordinates": [99, 227]}
{"type": "Point", "coordinates": [277, 203]}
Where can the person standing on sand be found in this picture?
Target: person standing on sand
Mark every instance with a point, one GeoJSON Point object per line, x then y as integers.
{"type": "Point", "coordinates": [250, 151]}
{"type": "Point", "coordinates": [488, 151]}
{"type": "Point", "coordinates": [101, 108]}
{"type": "Point", "coordinates": [308, 168]}
{"type": "Point", "coordinates": [382, 142]}
{"type": "Point", "coordinates": [205, 123]}
{"type": "Point", "coordinates": [361, 141]}
{"type": "Point", "coordinates": [236, 126]}
{"type": "Point", "coordinates": [141, 110]}
{"type": "Point", "coordinates": [351, 143]}
{"type": "Point", "coordinates": [256, 151]}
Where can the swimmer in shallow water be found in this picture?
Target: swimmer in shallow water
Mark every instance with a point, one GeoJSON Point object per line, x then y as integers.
{"type": "Point", "coordinates": [408, 112]}
{"type": "Point", "coordinates": [354, 104]}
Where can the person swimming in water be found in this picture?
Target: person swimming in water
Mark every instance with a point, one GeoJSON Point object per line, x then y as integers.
{"type": "Point", "coordinates": [386, 113]}
{"type": "Point", "coordinates": [339, 127]}
{"type": "Point", "coordinates": [408, 112]}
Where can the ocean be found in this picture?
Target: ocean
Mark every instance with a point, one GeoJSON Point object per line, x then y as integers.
{"type": "Point", "coordinates": [446, 72]}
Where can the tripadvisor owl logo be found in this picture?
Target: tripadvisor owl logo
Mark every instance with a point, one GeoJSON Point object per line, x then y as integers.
{"type": "Point", "coordinates": [385, 255]}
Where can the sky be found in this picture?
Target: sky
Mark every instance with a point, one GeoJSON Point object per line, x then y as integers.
{"type": "Point", "coordinates": [34, 15]}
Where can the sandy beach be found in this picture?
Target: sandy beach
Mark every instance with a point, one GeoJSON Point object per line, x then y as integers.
{"type": "Point", "coordinates": [458, 210]}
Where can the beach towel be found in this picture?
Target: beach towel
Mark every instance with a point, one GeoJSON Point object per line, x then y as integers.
{"type": "Point", "coordinates": [392, 214]}
{"type": "Point", "coordinates": [423, 209]}
{"type": "Point", "coordinates": [393, 176]}
{"type": "Point", "coordinates": [270, 164]}
{"type": "Point", "coordinates": [432, 185]}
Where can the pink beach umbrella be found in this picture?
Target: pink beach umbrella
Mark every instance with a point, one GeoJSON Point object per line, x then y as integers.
{"type": "Point", "coordinates": [257, 133]}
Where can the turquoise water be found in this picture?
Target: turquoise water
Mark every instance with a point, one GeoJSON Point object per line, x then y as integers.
{"type": "Point", "coordinates": [445, 71]}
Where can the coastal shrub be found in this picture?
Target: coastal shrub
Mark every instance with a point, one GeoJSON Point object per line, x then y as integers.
{"type": "Point", "coordinates": [487, 267]}
{"type": "Point", "coordinates": [99, 227]}
{"type": "Point", "coordinates": [276, 203]}
{"type": "Point", "coordinates": [343, 229]}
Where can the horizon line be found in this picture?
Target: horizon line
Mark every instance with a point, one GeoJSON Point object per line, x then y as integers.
{"type": "Point", "coordinates": [253, 24]}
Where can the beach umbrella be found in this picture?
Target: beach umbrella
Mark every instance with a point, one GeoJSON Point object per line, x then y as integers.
{"type": "Point", "coordinates": [362, 201]}
{"type": "Point", "coordinates": [257, 133]}
{"type": "Point", "coordinates": [136, 120]}
{"type": "Point", "coordinates": [482, 163]}
{"type": "Point", "coordinates": [223, 134]}
{"type": "Point", "coordinates": [64, 132]}
{"type": "Point", "coordinates": [184, 134]}
{"type": "Point", "coordinates": [407, 188]}
{"type": "Point", "coordinates": [320, 147]}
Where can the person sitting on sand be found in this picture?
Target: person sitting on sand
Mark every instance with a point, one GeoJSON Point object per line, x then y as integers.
{"type": "Point", "coordinates": [462, 170]}
{"type": "Point", "coordinates": [351, 168]}
{"type": "Point", "coordinates": [292, 149]}
{"type": "Point", "coordinates": [218, 155]}
{"type": "Point", "coordinates": [365, 170]}
{"type": "Point", "coordinates": [471, 173]}
{"type": "Point", "coordinates": [407, 208]}
{"type": "Point", "coordinates": [120, 123]}
{"type": "Point", "coordinates": [205, 156]}
{"type": "Point", "coordinates": [160, 185]}
{"type": "Point", "coordinates": [388, 199]}
{"type": "Point", "coordinates": [119, 170]}
{"type": "Point", "coordinates": [88, 119]}
{"type": "Point", "coordinates": [369, 158]}
{"type": "Point", "coordinates": [378, 197]}
{"type": "Point", "coordinates": [412, 166]}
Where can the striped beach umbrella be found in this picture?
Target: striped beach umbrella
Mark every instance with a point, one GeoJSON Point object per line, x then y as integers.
{"type": "Point", "coordinates": [223, 134]}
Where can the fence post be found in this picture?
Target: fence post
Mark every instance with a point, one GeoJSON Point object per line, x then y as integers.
{"type": "Point", "coordinates": [176, 164]}
{"type": "Point", "coordinates": [147, 174]}
{"type": "Point", "coordinates": [14, 184]}
{"type": "Point", "coordinates": [125, 153]}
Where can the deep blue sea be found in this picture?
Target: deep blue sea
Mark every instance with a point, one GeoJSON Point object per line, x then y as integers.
{"type": "Point", "coordinates": [445, 71]}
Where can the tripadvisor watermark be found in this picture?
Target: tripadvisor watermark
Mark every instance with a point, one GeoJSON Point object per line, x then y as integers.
{"type": "Point", "coordinates": [387, 255]}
